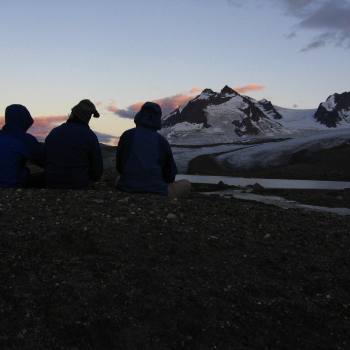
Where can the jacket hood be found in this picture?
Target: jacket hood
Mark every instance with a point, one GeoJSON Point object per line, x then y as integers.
{"type": "Point", "coordinates": [17, 117]}
{"type": "Point", "coordinates": [149, 116]}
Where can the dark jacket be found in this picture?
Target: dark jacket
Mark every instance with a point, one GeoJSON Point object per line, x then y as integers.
{"type": "Point", "coordinates": [17, 146]}
{"type": "Point", "coordinates": [144, 157]}
{"type": "Point", "coordinates": [73, 156]}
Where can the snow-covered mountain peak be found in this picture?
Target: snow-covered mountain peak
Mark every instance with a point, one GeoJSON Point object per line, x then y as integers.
{"type": "Point", "coordinates": [227, 91]}
{"type": "Point", "coordinates": [208, 92]}
{"type": "Point", "coordinates": [335, 110]}
{"type": "Point", "coordinates": [205, 95]}
{"type": "Point", "coordinates": [226, 115]}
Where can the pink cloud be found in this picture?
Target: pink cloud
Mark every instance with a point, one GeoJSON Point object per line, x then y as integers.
{"type": "Point", "coordinates": [196, 90]}
{"type": "Point", "coordinates": [249, 88]}
{"type": "Point", "coordinates": [136, 106]}
{"type": "Point", "coordinates": [42, 124]}
{"type": "Point", "coordinates": [168, 104]}
{"type": "Point", "coordinates": [112, 107]}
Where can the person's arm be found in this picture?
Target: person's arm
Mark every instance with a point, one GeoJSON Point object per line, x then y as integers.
{"type": "Point", "coordinates": [96, 161]}
{"type": "Point", "coordinates": [169, 166]}
{"type": "Point", "coordinates": [35, 151]}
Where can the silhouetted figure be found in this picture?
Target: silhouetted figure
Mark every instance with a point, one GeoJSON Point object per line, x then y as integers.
{"type": "Point", "coordinates": [17, 147]}
{"type": "Point", "coordinates": [144, 157]}
{"type": "Point", "coordinates": [73, 154]}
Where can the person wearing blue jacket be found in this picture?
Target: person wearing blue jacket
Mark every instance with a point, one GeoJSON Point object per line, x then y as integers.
{"type": "Point", "coordinates": [144, 158]}
{"type": "Point", "coordinates": [17, 147]}
{"type": "Point", "coordinates": [73, 154]}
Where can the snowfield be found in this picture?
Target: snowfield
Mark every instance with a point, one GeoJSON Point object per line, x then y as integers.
{"type": "Point", "coordinates": [184, 155]}
{"type": "Point", "coordinates": [295, 122]}
{"type": "Point", "coordinates": [300, 120]}
{"type": "Point", "coordinates": [279, 153]}
{"type": "Point", "coordinates": [240, 132]}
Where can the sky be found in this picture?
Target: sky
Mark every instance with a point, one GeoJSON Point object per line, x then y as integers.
{"type": "Point", "coordinates": [120, 53]}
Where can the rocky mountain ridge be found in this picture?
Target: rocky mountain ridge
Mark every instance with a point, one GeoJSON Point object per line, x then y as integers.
{"type": "Point", "coordinates": [335, 110]}
{"type": "Point", "coordinates": [230, 115]}
{"type": "Point", "coordinates": [226, 112]}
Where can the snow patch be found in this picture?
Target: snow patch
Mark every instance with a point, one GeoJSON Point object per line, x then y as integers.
{"type": "Point", "coordinates": [228, 109]}
{"type": "Point", "coordinates": [279, 153]}
{"type": "Point", "coordinates": [330, 104]}
{"type": "Point", "coordinates": [185, 127]}
{"type": "Point", "coordinates": [204, 96]}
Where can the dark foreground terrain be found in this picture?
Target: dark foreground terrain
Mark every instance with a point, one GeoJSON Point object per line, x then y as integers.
{"type": "Point", "coordinates": [105, 270]}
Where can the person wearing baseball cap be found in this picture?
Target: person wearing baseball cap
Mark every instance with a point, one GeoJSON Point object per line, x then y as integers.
{"type": "Point", "coordinates": [73, 154]}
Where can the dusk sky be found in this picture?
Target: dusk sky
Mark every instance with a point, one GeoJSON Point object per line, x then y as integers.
{"type": "Point", "coordinates": [121, 53]}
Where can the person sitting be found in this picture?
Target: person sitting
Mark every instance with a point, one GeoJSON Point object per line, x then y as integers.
{"type": "Point", "coordinates": [17, 147]}
{"type": "Point", "coordinates": [144, 157]}
{"type": "Point", "coordinates": [73, 154]}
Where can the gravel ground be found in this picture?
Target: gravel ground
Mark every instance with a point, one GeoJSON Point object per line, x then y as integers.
{"type": "Point", "coordinates": [101, 269]}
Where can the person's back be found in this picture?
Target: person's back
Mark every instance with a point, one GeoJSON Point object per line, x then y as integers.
{"type": "Point", "coordinates": [17, 147]}
{"type": "Point", "coordinates": [144, 158]}
{"type": "Point", "coordinates": [73, 155]}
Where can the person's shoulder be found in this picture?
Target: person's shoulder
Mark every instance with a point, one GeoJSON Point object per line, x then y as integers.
{"type": "Point", "coordinates": [56, 130]}
{"type": "Point", "coordinates": [128, 132]}
{"type": "Point", "coordinates": [59, 128]}
{"type": "Point", "coordinates": [91, 134]}
{"type": "Point", "coordinates": [29, 139]}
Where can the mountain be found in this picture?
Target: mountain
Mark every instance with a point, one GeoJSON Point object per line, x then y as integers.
{"type": "Point", "coordinates": [227, 114]}
{"type": "Point", "coordinates": [335, 110]}
{"type": "Point", "coordinates": [226, 117]}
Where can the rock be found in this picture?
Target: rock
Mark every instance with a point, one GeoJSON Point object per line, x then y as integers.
{"type": "Point", "coordinates": [98, 201]}
{"type": "Point", "coordinates": [221, 185]}
{"type": "Point", "coordinates": [171, 216]}
{"type": "Point", "coordinates": [257, 188]}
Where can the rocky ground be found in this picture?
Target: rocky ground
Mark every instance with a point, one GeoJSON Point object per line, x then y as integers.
{"type": "Point", "coordinates": [100, 269]}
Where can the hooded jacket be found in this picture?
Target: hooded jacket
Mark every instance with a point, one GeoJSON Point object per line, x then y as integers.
{"type": "Point", "coordinates": [73, 156]}
{"type": "Point", "coordinates": [17, 146]}
{"type": "Point", "coordinates": [144, 157]}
